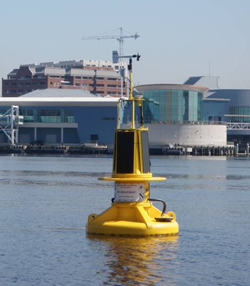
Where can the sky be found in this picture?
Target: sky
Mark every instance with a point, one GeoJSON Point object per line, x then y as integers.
{"type": "Point", "coordinates": [178, 38]}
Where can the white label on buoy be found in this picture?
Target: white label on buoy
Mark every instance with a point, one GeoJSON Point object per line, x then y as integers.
{"type": "Point", "coordinates": [129, 192]}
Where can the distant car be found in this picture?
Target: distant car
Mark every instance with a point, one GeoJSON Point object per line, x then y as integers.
{"type": "Point", "coordinates": [37, 142]}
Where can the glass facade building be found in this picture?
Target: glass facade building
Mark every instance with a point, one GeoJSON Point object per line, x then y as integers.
{"type": "Point", "coordinates": [47, 115]}
{"type": "Point", "coordinates": [232, 105]}
{"type": "Point", "coordinates": [239, 114]}
{"type": "Point", "coordinates": [172, 103]}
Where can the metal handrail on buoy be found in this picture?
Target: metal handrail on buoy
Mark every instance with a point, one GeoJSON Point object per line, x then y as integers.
{"type": "Point", "coordinates": [161, 201]}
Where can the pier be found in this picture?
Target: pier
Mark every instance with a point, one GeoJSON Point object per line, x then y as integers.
{"type": "Point", "coordinates": [55, 149]}
{"type": "Point", "coordinates": [176, 150]}
{"type": "Point", "coordinates": [94, 148]}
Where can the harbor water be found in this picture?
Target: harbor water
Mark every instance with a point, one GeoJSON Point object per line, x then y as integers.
{"type": "Point", "coordinates": [45, 202]}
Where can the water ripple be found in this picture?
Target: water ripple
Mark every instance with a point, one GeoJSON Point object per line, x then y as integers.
{"type": "Point", "coordinates": [204, 176]}
{"type": "Point", "coordinates": [21, 182]}
{"type": "Point", "coordinates": [53, 173]}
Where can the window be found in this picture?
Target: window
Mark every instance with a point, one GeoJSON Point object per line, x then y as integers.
{"type": "Point", "coordinates": [172, 105]}
{"type": "Point", "coordinates": [242, 111]}
{"type": "Point", "coordinates": [108, 118]}
{"type": "Point", "coordinates": [47, 115]}
{"type": "Point", "coordinates": [94, 138]}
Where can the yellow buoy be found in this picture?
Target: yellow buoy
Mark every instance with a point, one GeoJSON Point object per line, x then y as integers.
{"type": "Point", "coordinates": [132, 211]}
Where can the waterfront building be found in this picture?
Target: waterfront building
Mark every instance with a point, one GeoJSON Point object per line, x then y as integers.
{"type": "Point", "coordinates": [174, 114]}
{"type": "Point", "coordinates": [98, 77]}
{"type": "Point", "coordinates": [226, 105]}
{"type": "Point", "coordinates": [57, 116]}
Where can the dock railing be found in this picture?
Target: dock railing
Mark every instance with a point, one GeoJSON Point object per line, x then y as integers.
{"type": "Point", "coordinates": [176, 122]}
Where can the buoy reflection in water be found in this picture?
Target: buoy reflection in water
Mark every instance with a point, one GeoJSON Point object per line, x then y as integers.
{"type": "Point", "coordinates": [137, 261]}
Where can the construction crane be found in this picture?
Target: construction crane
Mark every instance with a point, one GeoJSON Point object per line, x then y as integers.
{"type": "Point", "coordinates": [120, 38]}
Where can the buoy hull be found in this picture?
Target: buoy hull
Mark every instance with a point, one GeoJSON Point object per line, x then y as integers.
{"type": "Point", "coordinates": [132, 219]}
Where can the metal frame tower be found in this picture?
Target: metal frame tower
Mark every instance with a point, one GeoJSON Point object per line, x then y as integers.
{"type": "Point", "coordinates": [9, 123]}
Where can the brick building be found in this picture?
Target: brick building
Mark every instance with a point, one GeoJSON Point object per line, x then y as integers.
{"type": "Point", "coordinates": [99, 77]}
